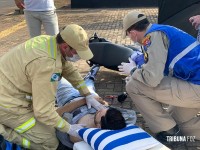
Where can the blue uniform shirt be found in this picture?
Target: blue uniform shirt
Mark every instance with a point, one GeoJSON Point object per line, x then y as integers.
{"type": "Point", "coordinates": [183, 60]}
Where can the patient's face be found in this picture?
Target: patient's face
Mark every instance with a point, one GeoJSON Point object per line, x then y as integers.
{"type": "Point", "coordinates": [98, 115]}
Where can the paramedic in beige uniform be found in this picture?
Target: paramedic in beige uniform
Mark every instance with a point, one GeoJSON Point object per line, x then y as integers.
{"type": "Point", "coordinates": [29, 74]}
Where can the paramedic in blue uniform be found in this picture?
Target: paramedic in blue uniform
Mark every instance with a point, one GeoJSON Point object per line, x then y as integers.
{"type": "Point", "coordinates": [170, 75]}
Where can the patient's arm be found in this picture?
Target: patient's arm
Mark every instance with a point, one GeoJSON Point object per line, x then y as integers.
{"type": "Point", "coordinates": [74, 139]}
{"type": "Point", "coordinates": [76, 104]}
{"type": "Point", "coordinates": [87, 120]}
{"type": "Point", "coordinates": [71, 106]}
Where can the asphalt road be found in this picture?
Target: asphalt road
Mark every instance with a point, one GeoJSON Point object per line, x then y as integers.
{"type": "Point", "coordinates": [7, 6]}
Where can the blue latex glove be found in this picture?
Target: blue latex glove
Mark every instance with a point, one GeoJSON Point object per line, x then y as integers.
{"type": "Point", "coordinates": [138, 57]}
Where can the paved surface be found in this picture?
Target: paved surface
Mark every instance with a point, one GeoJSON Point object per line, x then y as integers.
{"type": "Point", "coordinates": [106, 23]}
{"type": "Point", "coordinates": [6, 6]}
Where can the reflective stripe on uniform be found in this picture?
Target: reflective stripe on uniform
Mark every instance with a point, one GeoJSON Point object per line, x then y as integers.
{"type": "Point", "coordinates": [47, 44]}
{"type": "Point", "coordinates": [60, 123]}
{"type": "Point", "coordinates": [3, 106]}
{"type": "Point", "coordinates": [52, 48]}
{"type": "Point", "coordinates": [81, 85]}
{"type": "Point", "coordinates": [35, 43]}
{"type": "Point", "coordinates": [29, 97]}
{"type": "Point", "coordinates": [26, 143]}
{"type": "Point", "coordinates": [26, 126]}
{"type": "Point", "coordinates": [181, 55]}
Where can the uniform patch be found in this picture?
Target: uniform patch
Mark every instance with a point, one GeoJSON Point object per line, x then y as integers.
{"type": "Point", "coordinates": [145, 54]}
{"type": "Point", "coordinates": [146, 42]}
{"type": "Point", "coordinates": [55, 77]}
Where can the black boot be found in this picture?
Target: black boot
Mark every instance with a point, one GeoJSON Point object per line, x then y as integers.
{"type": "Point", "coordinates": [93, 72]}
{"type": "Point", "coordinates": [167, 137]}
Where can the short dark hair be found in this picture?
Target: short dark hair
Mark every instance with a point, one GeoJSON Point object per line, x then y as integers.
{"type": "Point", "coordinates": [139, 26]}
{"type": "Point", "coordinates": [113, 120]}
{"type": "Point", "coordinates": [59, 38]}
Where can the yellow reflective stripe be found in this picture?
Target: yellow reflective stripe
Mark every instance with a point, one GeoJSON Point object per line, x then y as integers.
{"type": "Point", "coordinates": [49, 48]}
{"type": "Point", "coordinates": [35, 43]}
{"type": "Point", "coordinates": [52, 48]}
{"type": "Point", "coordinates": [81, 85]}
{"type": "Point", "coordinates": [4, 106]}
{"type": "Point", "coordinates": [26, 126]}
{"type": "Point", "coordinates": [61, 123]}
{"type": "Point", "coordinates": [28, 45]}
{"type": "Point", "coordinates": [43, 43]}
{"type": "Point", "coordinates": [55, 48]}
{"type": "Point", "coordinates": [26, 143]}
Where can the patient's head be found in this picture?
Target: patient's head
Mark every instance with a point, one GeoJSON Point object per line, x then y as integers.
{"type": "Point", "coordinates": [109, 119]}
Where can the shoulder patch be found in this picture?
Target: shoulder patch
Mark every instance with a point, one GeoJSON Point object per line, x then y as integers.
{"type": "Point", "coordinates": [146, 42]}
{"type": "Point", "coordinates": [55, 77]}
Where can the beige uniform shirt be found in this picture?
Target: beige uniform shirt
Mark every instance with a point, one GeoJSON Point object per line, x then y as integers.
{"type": "Point", "coordinates": [151, 73]}
{"type": "Point", "coordinates": [33, 69]}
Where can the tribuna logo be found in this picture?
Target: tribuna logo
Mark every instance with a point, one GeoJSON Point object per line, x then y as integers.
{"type": "Point", "coordinates": [181, 138]}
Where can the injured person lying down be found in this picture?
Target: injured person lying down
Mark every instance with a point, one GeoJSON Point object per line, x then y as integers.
{"type": "Point", "coordinates": [72, 107]}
